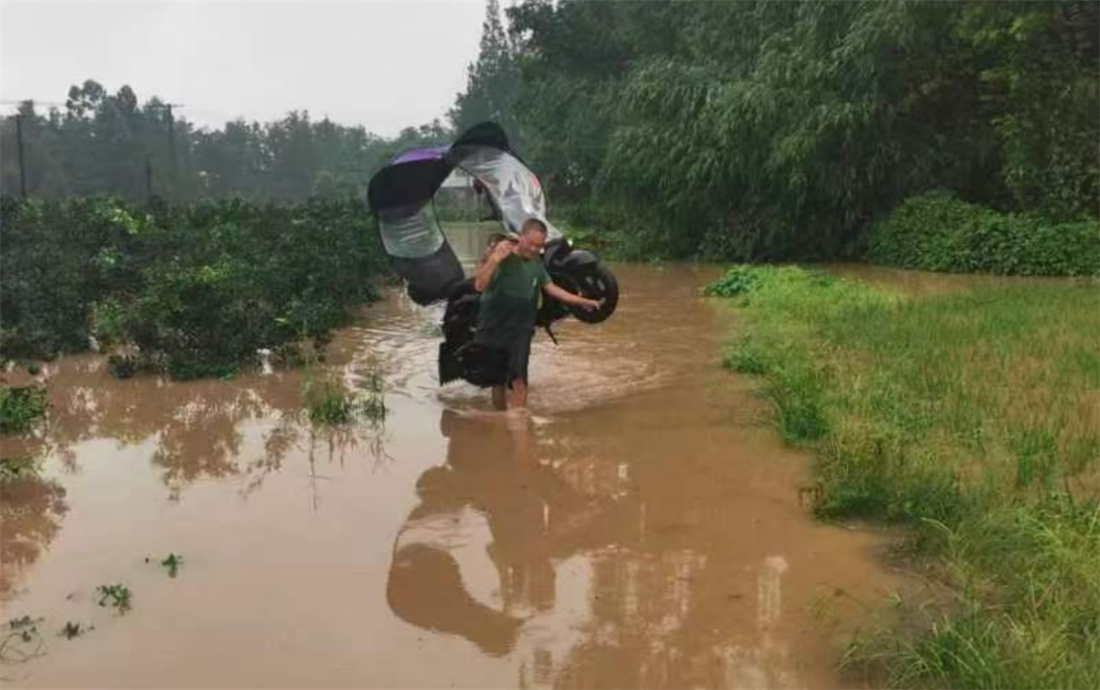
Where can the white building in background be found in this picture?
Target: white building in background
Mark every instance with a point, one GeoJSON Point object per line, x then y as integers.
{"type": "Point", "coordinates": [459, 179]}
{"type": "Point", "coordinates": [457, 198]}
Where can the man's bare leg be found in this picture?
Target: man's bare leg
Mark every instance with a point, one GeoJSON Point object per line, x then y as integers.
{"type": "Point", "coordinates": [519, 394]}
{"type": "Point", "coordinates": [498, 398]}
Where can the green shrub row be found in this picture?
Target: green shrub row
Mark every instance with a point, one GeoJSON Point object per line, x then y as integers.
{"type": "Point", "coordinates": [193, 290]}
{"type": "Point", "coordinates": [938, 232]}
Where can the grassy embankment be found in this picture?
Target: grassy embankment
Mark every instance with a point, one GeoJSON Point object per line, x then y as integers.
{"type": "Point", "coordinates": [973, 418]}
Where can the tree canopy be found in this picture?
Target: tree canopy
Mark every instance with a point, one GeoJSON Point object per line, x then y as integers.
{"type": "Point", "coordinates": [756, 129]}
{"type": "Point", "coordinates": [765, 129]}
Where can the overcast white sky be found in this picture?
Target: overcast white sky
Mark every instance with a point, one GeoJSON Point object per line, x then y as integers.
{"type": "Point", "coordinates": [384, 64]}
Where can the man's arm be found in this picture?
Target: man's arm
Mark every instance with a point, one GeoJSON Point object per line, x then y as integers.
{"type": "Point", "coordinates": [568, 297]}
{"type": "Point", "coordinates": [488, 268]}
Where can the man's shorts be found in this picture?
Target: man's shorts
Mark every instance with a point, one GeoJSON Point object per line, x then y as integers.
{"type": "Point", "coordinates": [519, 354]}
{"type": "Point", "coordinates": [493, 365]}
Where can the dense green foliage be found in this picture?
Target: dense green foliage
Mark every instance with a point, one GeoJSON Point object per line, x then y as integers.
{"type": "Point", "coordinates": [971, 417]}
{"type": "Point", "coordinates": [937, 232]}
{"type": "Point", "coordinates": [783, 129]}
{"type": "Point", "coordinates": [490, 81]}
{"type": "Point", "coordinates": [195, 289]}
{"type": "Point", "coordinates": [99, 143]}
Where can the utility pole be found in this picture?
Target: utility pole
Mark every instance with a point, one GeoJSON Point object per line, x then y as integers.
{"type": "Point", "coordinates": [148, 178]}
{"type": "Point", "coordinates": [22, 165]}
{"type": "Point", "coordinates": [172, 177]}
{"type": "Point", "coordinates": [28, 103]}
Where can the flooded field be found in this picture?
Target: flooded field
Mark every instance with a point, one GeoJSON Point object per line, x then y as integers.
{"type": "Point", "coordinates": [642, 527]}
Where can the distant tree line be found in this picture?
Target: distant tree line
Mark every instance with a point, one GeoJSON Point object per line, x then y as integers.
{"type": "Point", "coordinates": [101, 143]}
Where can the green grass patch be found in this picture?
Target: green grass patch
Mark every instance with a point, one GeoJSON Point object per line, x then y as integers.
{"type": "Point", "coordinates": [972, 417]}
{"type": "Point", "coordinates": [21, 407]}
{"type": "Point", "coordinates": [117, 596]}
{"type": "Point", "coordinates": [329, 402]}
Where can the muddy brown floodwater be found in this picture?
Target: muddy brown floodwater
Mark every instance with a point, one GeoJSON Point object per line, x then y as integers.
{"type": "Point", "coordinates": [642, 528]}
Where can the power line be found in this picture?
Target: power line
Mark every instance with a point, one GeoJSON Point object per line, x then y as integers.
{"type": "Point", "coordinates": [35, 101]}
{"type": "Point", "coordinates": [22, 166]}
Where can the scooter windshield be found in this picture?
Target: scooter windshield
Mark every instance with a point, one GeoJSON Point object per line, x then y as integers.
{"type": "Point", "coordinates": [513, 187]}
{"type": "Point", "coordinates": [411, 231]}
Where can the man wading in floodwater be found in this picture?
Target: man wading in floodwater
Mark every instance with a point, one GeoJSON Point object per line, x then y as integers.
{"type": "Point", "coordinates": [510, 281]}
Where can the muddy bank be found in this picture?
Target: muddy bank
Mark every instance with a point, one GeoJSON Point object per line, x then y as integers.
{"type": "Point", "coordinates": [642, 528]}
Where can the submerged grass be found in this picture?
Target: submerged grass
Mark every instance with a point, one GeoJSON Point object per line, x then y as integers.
{"type": "Point", "coordinates": [16, 468]}
{"type": "Point", "coordinates": [975, 418]}
{"type": "Point", "coordinates": [329, 402]}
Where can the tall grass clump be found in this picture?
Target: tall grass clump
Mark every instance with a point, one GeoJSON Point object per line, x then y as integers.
{"type": "Point", "coordinates": [972, 417]}
{"type": "Point", "coordinates": [21, 407]}
{"type": "Point", "coordinates": [329, 402]}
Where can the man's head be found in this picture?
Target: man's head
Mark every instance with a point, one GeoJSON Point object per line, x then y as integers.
{"type": "Point", "coordinates": [532, 238]}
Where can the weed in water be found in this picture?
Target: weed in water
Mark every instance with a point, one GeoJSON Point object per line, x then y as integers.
{"type": "Point", "coordinates": [17, 468]}
{"type": "Point", "coordinates": [374, 408]}
{"type": "Point", "coordinates": [20, 408]}
{"type": "Point", "coordinates": [329, 402]}
{"type": "Point", "coordinates": [25, 626]}
{"type": "Point", "coordinates": [172, 563]}
{"type": "Point", "coordinates": [23, 641]}
{"type": "Point", "coordinates": [72, 630]}
{"type": "Point", "coordinates": [373, 405]}
{"type": "Point", "coordinates": [116, 596]}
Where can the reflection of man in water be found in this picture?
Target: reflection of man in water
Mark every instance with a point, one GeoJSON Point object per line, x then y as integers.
{"type": "Point", "coordinates": [511, 281]}
{"type": "Point", "coordinates": [491, 468]}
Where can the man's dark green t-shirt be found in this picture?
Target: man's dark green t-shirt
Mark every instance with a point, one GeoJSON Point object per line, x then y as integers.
{"type": "Point", "coordinates": [510, 304]}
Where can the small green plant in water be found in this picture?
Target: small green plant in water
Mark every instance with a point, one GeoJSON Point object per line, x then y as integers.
{"type": "Point", "coordinates": [16, 468]}
{"type": "Point", "coordinates": [23, 641]}
{"type": "Point", "coordinates": [374, 408]}
{"type": "Point", "coordinates": [72, 630]}
{"type": "Point", "coordinates": [116, 596]}
{"type": "Point", "coordinates": [172, 563]}
{"type": "Point", "coordinates": [374, 405]}
{"type": "Point", "coordinates": [25, 627]}
{"type": "Point", "coordinates": [328, 402]}
{"type": "Point", "coordinates": [20, 408]}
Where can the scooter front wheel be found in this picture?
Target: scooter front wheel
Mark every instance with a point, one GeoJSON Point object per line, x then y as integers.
{"type": "Point", "coordinates": [594, 282]}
